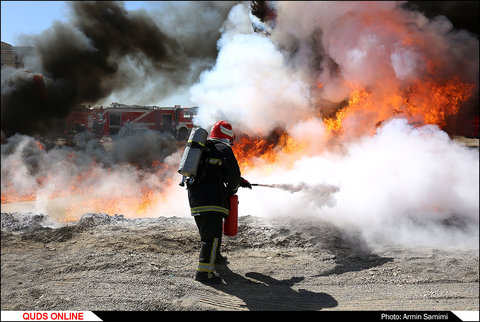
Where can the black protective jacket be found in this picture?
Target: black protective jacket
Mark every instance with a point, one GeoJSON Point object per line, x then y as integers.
{"type": "Point", "coordinates": [218, 177]}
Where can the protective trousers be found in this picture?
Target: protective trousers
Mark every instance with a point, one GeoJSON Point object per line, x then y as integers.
{"type": "Point", "coordinates": [210, 227]}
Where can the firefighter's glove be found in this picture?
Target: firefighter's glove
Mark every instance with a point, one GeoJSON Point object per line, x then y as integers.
{"type": "Point", "coordinates": [245, 184]}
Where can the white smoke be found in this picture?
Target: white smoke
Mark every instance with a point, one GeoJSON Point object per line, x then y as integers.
{"type": "Point", "coordinates": [251, 84]}
{"type": "Point", "coordinates": [403, 185]}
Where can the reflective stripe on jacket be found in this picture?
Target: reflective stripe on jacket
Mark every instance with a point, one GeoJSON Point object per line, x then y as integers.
{"type": "Point", "coordinates": [199, 210]}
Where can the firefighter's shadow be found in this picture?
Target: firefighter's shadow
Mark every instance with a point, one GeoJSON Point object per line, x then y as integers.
{"type": "Point", "coordinates": [351, 255]}
{"type": "Point", "coordinates": [261, 292]}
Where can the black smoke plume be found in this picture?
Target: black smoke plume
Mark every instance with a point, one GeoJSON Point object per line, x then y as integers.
{"type": "Point", "coordinates": [106, 49]}
{"type": "Point", "coordinates": [462, 14]}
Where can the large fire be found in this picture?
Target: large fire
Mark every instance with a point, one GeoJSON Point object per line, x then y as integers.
{"type": "Point", "coordinates": [422, 101]}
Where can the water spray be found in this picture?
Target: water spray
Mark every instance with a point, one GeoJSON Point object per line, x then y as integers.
{"type": "Point", "coordinates": [296, 187]}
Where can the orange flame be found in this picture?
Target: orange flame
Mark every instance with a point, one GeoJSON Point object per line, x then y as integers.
{"type": "Point", "coordinates": [83, 195]}
{"type": "Point", "coordinates": [422, 102]}
{"type": "Point", "coordinates": [249, 150]}
{"type": "Point", "coordinates": [246, 148]}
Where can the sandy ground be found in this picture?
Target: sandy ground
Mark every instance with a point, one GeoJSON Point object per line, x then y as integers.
{"type": "Point", "coordinates": [103, 263]}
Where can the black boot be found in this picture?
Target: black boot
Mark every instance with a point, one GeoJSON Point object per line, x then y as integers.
{"type": "Point", "coordinates": [208, 278]}
{"type": "Point", "coordinates": [220, 259]}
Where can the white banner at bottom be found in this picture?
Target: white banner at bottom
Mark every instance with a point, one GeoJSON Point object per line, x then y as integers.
{"type": "Point", "coordinates": [49, 316]}
{"type": "Point", "coordinates": [467, 315]}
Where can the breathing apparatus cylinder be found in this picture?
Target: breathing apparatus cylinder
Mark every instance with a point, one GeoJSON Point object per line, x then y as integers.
{"type": "Point", "coordinates": [230, 226]}
{"type": "Point", "coordinates": [193, 152]}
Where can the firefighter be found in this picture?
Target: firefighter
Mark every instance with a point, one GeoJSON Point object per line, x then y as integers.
{"type": "Point", "coordinates": [217, 178]}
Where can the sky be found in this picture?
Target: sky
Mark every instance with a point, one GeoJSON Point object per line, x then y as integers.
{"type": "Point", "coordinates": [33, 17]}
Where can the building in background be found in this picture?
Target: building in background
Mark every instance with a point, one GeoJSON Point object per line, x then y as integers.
{"type": "Point", "coordinates": [13, 55]}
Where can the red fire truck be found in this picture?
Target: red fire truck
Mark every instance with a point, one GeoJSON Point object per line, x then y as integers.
{"type": "Point", "coordinates": [125, 119]}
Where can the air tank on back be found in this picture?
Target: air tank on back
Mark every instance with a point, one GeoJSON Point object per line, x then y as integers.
{"type": "Point", "coordinates": [193, 152]}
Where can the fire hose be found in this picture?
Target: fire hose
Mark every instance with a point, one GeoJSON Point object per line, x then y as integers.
{"type": "Point", "coordinates": [263, 185]}
{"type": "Point", "coordinates": [288, 187]}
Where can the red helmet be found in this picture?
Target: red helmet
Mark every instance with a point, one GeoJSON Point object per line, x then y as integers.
{"type": "Point", "coordinates": [222, 130]}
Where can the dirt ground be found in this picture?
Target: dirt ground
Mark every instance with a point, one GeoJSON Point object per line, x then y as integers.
{"type": "Point", "coordinates": [104, 263]}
